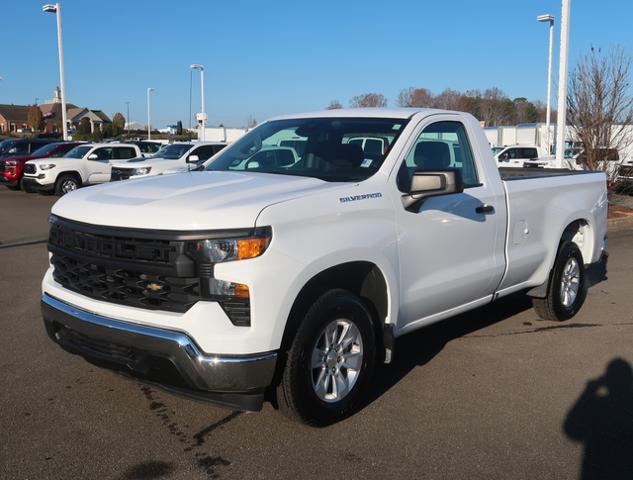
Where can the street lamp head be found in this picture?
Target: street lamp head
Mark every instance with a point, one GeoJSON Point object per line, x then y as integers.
{"type": "Point", "coordinates": [196, 66]}
{"type": "Point", "coordinates": [150, 89]}
{"type": "Point", "coordinates": [49, 8]}
{"type": "Point", "coordinates": [545, 18]}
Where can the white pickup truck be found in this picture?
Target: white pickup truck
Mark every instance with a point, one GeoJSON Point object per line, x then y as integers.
{"type": "Point", "coordinates": [294, 279]}
{"type": "Point", "coordinates": [172, 158]}
{"type": "Point", "coordinates": [86, 164]}
{"type": "Point", "coordinates": [522, 156]}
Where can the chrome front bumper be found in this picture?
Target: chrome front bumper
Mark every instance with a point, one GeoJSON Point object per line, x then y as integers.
{"type": "Point", "coordinates": [134, 346]}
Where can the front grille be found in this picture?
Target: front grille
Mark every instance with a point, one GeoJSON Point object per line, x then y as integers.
{"type": "Point", "coordinates": [120, 174]}
{"type": "Point", "coordinates": [112, 247]}
{"type": "Point", "coordinates": [29, 168]}
{"type": "Point", "coordinates": [125, 286]}
{"type": "Point", "coordinates": [138, 272]}
{"type": "Point", "coordinates": [138, 268]}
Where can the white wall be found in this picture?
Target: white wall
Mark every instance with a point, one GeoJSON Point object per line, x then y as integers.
{"type": "Point", "coordinates": [223, 134]}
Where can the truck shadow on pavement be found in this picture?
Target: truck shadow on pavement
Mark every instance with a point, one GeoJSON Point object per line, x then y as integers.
{"type": "Point", "coordinates": [420, 347]}
{"type": "Point", "coordinates": [602, 420]}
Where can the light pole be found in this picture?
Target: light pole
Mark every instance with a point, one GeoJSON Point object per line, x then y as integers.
{"type": "Point", "coordinates": [127, 104]}
{"type": "Point", "coordinates": [57, 9]}
{"type": "Point", "coordinates": [149, 113]}
{"type": "Point", "coordinates": [548, 120]}
{"type": "Point", "coordinates": [202, 116]}
{"type": "Point", "coordinates": [562, 83]}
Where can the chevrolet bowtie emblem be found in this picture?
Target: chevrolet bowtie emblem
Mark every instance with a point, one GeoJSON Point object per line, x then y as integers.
{"type": "Point", "coordinates": [154, 287]}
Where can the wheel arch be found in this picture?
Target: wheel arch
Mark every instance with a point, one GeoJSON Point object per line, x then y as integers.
{"type": "Point", "coordinates": [363, 278]}
{"type": "Point", "coordinates": [74, 173]}
{"type": "Point", "coordinates": [577, 231]}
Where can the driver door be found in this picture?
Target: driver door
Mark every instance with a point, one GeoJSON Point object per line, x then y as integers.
{"type": "Point", "coordinates": [451, 248]}
{"type": "Point", "coordinates": [99, 165]}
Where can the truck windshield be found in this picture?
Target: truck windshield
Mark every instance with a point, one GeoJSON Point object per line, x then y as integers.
{"type": "Point", "coordinates": [78, 152]}
{"type": "Point", "coordinates": [173, 151]}
{"type": "Point", "coordinates": [329, 148]}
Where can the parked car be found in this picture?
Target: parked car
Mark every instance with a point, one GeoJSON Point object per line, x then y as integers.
{"type": "Point", "coordinates": [521, 156]}
{"type": "Point", "coordinates": [12, 168]}
{"type": "Point", "coordinates": [295, 279]}
{"type": "Point", "coordinates": [148, 147]}
{"type": "Point", "coordinates": [86, 164]}
{"type": "Point", "coordinates": [14, 147]}
{"type": "Point", "coordinates": [175, 156]}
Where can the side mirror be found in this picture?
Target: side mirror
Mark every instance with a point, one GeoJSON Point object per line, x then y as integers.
{"type": "Point", "coordinates": [504, 157]}
{"type": "Point", "coordinates": [93, 156]}
{"type": "Point", "coordinates": [193, 159]}
{"type": "Point", "coordinates": [432, 183]}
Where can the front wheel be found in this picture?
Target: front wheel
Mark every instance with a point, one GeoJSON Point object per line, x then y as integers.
{"type": "Point", "coordinates": [330, 362]}
{"type": "Point", "coordinates": [65, 184]}
{"type": "Point", "coordinates": [567, 287]}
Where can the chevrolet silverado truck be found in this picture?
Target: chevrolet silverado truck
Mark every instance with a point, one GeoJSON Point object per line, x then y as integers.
{"type": "Point", "coordinates": [86, 164]}
{"type": "Point", "coordinates": [265, 279]}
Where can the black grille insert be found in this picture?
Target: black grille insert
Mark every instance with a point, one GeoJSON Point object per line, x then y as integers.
{"type": "Point", "coordinates": [139, 272]}
{"type": "Point", "coordinates": [29, 168]}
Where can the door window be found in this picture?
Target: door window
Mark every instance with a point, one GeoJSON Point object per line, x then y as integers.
{"type": "Point", "coordinates": [441, 145]}
{"type": "Point", "coordinates": [123, 153]}
{"type": "Point", "coordinates": [205, 152]}
{"type": "Point", "coordinates": [529, 153]}
{"type": "Point", "coordinates": [103, 153]}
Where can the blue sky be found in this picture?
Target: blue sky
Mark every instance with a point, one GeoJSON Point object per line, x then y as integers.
{"type": "Point", "coordinates": [268, 58]}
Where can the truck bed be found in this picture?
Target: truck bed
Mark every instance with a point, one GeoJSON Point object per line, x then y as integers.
{"type": "Point", "coordinates": [509, 173]}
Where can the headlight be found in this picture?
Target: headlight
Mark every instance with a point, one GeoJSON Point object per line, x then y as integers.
{"type": "Point", "coordinates": [227, 249]}
{"type": "Point", "coordinates": [47, 166]}
{"type": "Point", "coordinates": [11, 163]}
{"type": "Point", "coordinates": [142, 171]}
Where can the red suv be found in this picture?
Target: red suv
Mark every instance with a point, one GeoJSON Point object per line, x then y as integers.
{"type": "Point", "coordinates": [12, 168]}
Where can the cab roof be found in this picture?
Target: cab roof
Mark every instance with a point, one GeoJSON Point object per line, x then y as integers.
{"type": "Point", "coordinates": [395, 113]}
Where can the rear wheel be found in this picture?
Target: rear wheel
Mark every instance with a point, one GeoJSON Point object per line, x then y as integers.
{"type": "Point", "coordinates": [330, 362]}
{"type": "Point", "coordinates": [567, 287]}
{"type": "Point", "coordinates": [66, 183]}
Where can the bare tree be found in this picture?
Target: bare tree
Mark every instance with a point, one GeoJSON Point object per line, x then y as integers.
{"type": "Point", "coordinates": [600, 107]}
{"type": "Point", "coordinates": [334, 105]}
{"type": "Point", "coordinates": [447, 100]}
{"type": "Point", "coordinates": [368, 100]}
{"type": "Point", "coordinates": [415, 97]}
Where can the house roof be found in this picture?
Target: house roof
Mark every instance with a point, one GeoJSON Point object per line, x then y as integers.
{"type": "Point", "coordinates": [15, 113]}
{"type": "Point", "coordinates": [102, 116]}
{"type": "Point", "coordinates": [75, 112]}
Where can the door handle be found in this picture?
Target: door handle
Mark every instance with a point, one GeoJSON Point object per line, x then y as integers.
{"type": "Point", "coordinates": [485, 208]}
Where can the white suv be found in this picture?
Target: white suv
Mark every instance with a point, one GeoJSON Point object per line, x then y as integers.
{"type": "Point", "coordinates": [83, 165]}
{"type": "Point", "coordinates": [169, 159]}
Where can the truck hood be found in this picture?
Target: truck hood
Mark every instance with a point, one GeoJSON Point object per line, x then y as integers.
{"type": "Point", "coordinates": [186, 201]}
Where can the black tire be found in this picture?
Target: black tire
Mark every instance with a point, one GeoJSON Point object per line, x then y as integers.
{"type": "Point", "coordinates": [552, 307]}
{"type": "Point", "coordinates": [64, 182]}
{"type": "Point", "coordinates": [296, 395]}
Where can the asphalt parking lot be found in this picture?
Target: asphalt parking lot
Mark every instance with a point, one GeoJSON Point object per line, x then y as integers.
{"type": "Point", "coordinates": [494, 393]}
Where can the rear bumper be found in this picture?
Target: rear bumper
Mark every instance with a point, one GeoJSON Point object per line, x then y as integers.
{"type": "Point", "coordinates": [236, 381]}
